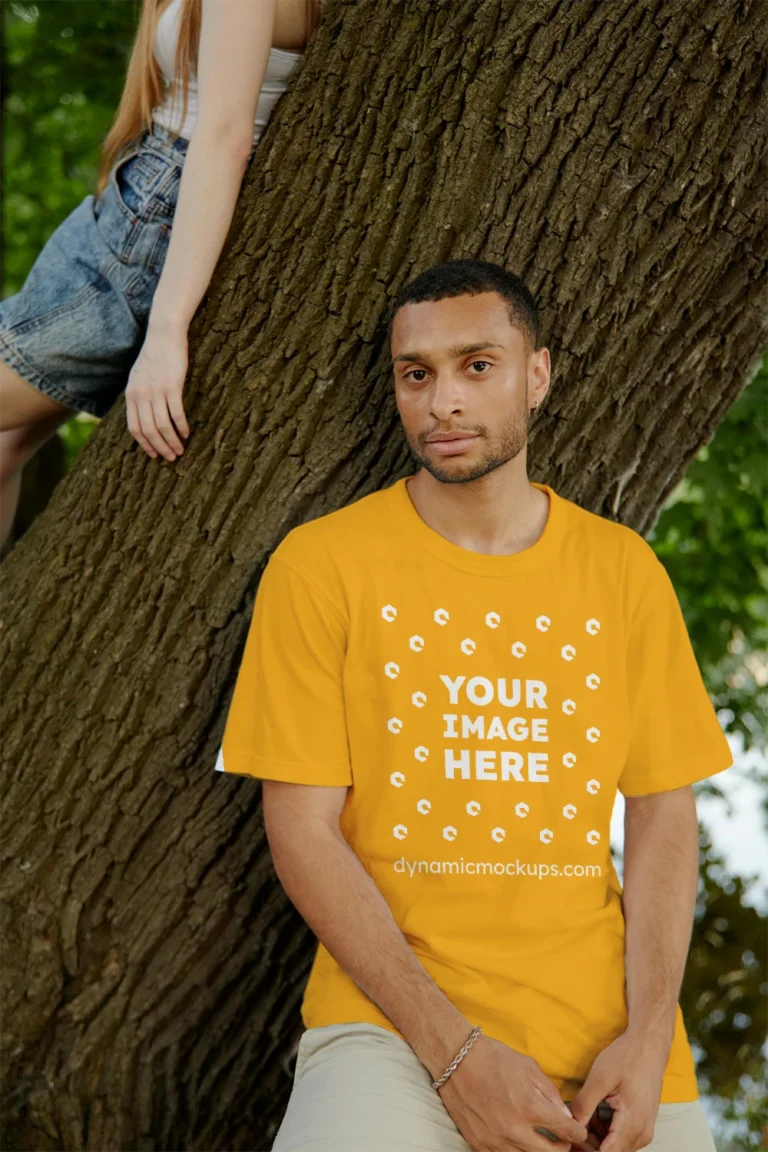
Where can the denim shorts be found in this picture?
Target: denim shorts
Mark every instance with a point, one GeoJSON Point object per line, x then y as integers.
{"type": "Point", "coordinates": [77, 325]}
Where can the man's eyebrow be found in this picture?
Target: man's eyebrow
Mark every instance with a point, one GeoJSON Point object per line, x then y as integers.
{"type": "Point", "coordinates": [461, 350]}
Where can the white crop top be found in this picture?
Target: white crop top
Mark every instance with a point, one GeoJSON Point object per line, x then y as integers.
{"type": "Point", "coordinates": [280, 64]}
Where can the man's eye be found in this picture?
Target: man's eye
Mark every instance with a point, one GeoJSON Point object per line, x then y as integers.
{"type": "Point", "coordinates": [411, 373]}
{"type": "Point", "coordinates": [480, 362]}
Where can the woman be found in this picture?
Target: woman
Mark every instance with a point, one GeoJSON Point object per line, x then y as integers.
{"type": "Point", "coordinates": [108, 302]}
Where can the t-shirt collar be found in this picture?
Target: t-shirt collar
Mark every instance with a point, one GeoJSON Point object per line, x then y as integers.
{"type": "Point", "coordinates": [410, 523]}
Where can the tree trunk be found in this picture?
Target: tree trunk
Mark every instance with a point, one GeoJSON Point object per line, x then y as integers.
{"type": "Point", "coordinates": [608, 153]}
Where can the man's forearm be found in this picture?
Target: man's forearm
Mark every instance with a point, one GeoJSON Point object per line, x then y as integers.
{"type": "Point", "coordinates": [661, 865]}
{"type": "Point", "coordinates": [328, 885]}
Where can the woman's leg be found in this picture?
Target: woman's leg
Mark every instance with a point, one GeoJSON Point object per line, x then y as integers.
{"type": "Point", "coordinates": [27, 419]}
{"type": "Point", "coordinates": [21, 403]}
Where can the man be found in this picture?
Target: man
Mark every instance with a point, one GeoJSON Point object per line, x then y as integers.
{"type": "Point", "coordinates": [443, 685]}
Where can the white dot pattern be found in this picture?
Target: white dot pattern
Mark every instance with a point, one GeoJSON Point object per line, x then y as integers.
{"type": "Point", "coordinates": [518, 650]}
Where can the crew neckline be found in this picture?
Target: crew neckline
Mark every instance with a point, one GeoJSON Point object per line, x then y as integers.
{"type": "Point", "coordinates": [480, 563]}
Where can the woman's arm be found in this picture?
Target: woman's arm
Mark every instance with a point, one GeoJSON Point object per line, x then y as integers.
{"type": "Point", "coordinates": [235, 39]}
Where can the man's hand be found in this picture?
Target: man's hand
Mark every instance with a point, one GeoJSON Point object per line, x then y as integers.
{"type": "Point", "coordinates": [153, 393]}
{"type": "Point", "coordinates": [627, 1075]}
{"type": "Point", "coordinates": [499, 1099]}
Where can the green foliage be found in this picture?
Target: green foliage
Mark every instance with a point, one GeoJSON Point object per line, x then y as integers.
{"type": "Point", "coordinates": [712, 537]}
{"type": "Point", "coordinates": [75, 434]}
{"type": "Point", "coordinates": [63, 71]}
{"type": "Point", "coordinates": [724, 994]}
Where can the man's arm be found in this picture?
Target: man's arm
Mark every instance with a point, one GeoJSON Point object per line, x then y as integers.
{"type": "Point", "coordinates": [661, 870]}
{"type": "Point", "coordinates": [339, 900]}
{"type": "Point", "coordinates": [495, 1093]}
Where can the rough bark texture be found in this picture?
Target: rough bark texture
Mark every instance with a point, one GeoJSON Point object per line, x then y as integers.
{"type": "Point", "coordinates": [608, 153]}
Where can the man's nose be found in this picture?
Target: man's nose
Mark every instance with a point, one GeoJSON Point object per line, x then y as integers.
{"type": "Point", "coordinates": [447, 396]}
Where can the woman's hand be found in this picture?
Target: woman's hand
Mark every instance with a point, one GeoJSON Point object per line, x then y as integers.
{"type": "Point", "coordinates": [153, 393]}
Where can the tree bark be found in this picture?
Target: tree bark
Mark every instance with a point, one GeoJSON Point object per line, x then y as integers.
{"type": "Point", "coordinates": [611, 154]}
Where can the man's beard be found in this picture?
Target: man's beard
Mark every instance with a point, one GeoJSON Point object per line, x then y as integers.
{"type": "Point", "coordinates": [509, 442]}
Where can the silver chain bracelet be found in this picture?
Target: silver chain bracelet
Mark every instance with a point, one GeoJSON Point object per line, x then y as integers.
{"type": "Point", "coordinates": [458, 1058]}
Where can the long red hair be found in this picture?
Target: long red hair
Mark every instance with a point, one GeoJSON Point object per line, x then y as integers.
{"type": "Point", "coordinates": [144, 82]}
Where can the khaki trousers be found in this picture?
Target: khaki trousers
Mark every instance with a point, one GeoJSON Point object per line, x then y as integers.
{"type": "Point", "coordinates": [360, 1088]}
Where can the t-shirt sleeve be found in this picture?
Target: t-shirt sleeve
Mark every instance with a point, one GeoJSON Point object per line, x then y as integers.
{"type": "Point", "coordinates": [675, 737]}
{"type": "Point", "coordinates": [286, 720]}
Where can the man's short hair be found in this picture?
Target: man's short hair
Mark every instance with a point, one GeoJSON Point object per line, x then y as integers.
{"type": "Point", "coordinates": [457, 277]}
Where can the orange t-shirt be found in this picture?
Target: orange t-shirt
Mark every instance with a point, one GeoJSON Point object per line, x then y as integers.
{"type": "Point", "coordinates": [482, 710]}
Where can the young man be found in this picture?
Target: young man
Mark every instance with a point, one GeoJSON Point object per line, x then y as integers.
{"type": "Point", "coordinates": [443, 685]}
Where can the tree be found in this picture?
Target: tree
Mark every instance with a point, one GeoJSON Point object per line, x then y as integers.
{"type": "Point", "coordinates": [610, 154]}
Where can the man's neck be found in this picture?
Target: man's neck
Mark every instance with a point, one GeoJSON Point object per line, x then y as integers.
{"type": "Point", "coordinates": [498, 514]}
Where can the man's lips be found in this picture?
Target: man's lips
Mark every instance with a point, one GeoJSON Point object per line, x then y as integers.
{"type": "Point", "coordinates": [441, 437]}
{"type": "Point", "coordinates": [452, 444]}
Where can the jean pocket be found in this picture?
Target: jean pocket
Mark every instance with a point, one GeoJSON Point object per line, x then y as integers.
{"type": "Point", "coordinates": [146, 185]}
{"type": "Point", "coordinates": [115, 181]}
{"type": "Point", "coordinates": [115, 218]}
{"type": "Point", "coordinates": [125, 189]}
{"type": "Point", "coordinates": [134, 213]}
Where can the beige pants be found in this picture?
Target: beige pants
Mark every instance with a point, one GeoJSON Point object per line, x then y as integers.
{"type": "Point", "coordinates": [359, 1088]}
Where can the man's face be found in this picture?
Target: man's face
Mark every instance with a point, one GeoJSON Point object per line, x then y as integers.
{"type": "Point", "coordinates": [461, 365]}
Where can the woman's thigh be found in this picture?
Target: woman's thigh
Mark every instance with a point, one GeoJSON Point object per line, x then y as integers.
{"type": "Point", "coordinates": [23, 406]}
{"type": "Point", "coordinates": [360, 1088]}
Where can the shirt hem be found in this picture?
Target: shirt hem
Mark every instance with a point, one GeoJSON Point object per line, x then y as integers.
{"type": "Point", "coordinates": [289, 771]}
{"type": "Point", "coordinates": [692, 776]}
{"type": "Point", "coordinates": [676, 1087]}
